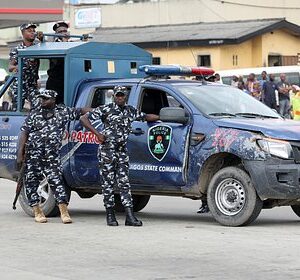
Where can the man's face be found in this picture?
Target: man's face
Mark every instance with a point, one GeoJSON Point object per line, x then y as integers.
{"type": "Point", "coordinates": [46, 102]}
{"type": "Point", "coordinates": [120, 99]}
{"type": "Point", "coordinates": [282, 77]}
{"type": "Point", "coordinates": [251, 77]}
{"type": "Point", "coordinates": [62, 30]}
{"type": "Point", "coordinates": [272, 77]}
{"type": "Point", "coordinates": [29, 34]}
{"type": "Point", "coordinates": [264, 75]}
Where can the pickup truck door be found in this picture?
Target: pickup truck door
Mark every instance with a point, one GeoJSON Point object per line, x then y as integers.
{"type": "Point", "coordinates": [158, 151]}
{"type": "Point", "coordinates": [10, 123]}
{"type": "Point", "coordinates": [83, 145]}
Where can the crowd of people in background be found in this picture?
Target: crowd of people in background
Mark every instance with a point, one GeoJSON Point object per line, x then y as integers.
{"type": "Point", "coordinates": [280, 96]}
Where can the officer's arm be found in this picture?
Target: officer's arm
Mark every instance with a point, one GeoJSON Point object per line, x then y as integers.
{"type": "Point", "coordinates": [151, 117]}
{"type": "Point", "coordinates": [87, 124]}
{"type": "Point", "coordinates": [85, 110]}
{"type": "Point", "coordinates": [12, 66]}
{"type": "Point", "coordinates": [21, 151]}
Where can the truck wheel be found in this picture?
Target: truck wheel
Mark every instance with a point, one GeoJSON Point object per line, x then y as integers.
{"type": "Point", "coordinates": [232, 199]}
{"type": "Point", "coordinates": [47, 201]}
{"type": "Point", "coordinates": [139, 202]}
{"type": "Point", "coordinates": [296, 209]}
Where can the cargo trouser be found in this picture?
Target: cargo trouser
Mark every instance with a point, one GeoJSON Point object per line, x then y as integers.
{"type": "Point", "coordinates": [114, 170]}
{"type": "Point", "coordinates": [40, 163]}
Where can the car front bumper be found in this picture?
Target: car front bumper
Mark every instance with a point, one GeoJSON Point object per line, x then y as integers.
{"type": "Point", "coordinates": [275, 178]}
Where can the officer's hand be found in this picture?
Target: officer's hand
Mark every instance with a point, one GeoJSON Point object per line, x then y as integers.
{"type": "Point", "coordinates": [15, 69]}
{"type": "Point", "coordinates": [85, 37]}
{"type": "Point", "coordinates": [101, 138]}
{"type": "Point", "coordinates": [40, 35]}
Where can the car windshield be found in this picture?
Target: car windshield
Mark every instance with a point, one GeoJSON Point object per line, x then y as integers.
{"type": "Point", "coordinates": [224, 101]}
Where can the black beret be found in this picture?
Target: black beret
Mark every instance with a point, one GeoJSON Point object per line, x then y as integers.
{"type": "Point", "coordinates": [27, 25]}
{"type": "Point", "coordinates": [49, 93]}
{"type": "Point", "coordinates": [59, 24]}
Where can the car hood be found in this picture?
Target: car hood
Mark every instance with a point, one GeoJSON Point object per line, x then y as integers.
{"type": "Point", "coordinates": [275, 128]}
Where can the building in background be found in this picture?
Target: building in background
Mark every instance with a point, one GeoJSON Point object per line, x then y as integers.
{"type": "Point", "coordinates": [218, 33]}
{"type": "Point", "coordinates": [161, 12]}
{"type": "Point", "coordinates": [221, 45]}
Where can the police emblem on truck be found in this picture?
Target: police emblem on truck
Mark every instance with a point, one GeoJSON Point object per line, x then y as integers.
{"type": "Point", "coordinates": [159, 139]}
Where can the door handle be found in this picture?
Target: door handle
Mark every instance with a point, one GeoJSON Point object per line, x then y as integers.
{"type": "Point", "coordinates": [5, 119]}
{"type": "Point", "coordinates": [137, 131]}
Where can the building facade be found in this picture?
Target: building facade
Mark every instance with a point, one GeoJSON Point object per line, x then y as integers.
{"type": "Point", "coordinates": [220, 45]}
{"type": "Point", "coordinates": [162, 12]}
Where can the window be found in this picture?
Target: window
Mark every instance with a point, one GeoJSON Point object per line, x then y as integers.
{"type": "Point", "coordinates": [156, 60]}
{"type": "Point", "coordinates": [274, 60]}
{"type": "Point", "coordinates": [153, 100]}
{"type": "Point", "coordinates": [103, 96]}
{"type": "Point", "coordinates": [234, 60]}
{"type": "Point", "coordinates": [87, 66]}
{"type": "Point", "coordinates": [204, 60]}
{"type": "Point", "coordinates": [6, 100]}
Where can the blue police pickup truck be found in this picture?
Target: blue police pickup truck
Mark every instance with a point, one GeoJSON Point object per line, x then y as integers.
{"type": "Point", "coordinates": [213, 142]}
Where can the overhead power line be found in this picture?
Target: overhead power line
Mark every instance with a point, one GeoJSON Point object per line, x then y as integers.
{"type": "Point", "coordinates": [256, 6]}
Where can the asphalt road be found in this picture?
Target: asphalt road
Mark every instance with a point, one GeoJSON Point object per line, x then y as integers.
{"type": "Point", "coordinates": [174, 243]}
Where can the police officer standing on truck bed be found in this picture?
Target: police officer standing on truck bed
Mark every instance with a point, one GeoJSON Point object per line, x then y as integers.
{"type": "Point", "coordinates": [113, 155]}
{"type": "Point", "coordinates": [56, 70]}
{"type": "Point", "coordinates": [39, 147]}
{"type": "Point", "coordinates": [30, 66]}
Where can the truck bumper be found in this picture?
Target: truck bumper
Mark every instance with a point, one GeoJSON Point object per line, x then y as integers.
{"type": "Point", "coordinates": [274, 178]}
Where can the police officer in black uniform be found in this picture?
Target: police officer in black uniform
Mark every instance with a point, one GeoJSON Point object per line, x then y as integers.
{"type": "Point", "coordinates": [40, 143]}
{"type": "Point", "coordinates": [113, 155]}
{"type": "Point", "coordinates": [30, 67]}
{"type": "Point", "coordinates": [56, 70]}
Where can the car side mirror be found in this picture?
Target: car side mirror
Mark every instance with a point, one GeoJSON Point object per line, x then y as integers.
{"type": "Point", "coordinates": [173, 114]}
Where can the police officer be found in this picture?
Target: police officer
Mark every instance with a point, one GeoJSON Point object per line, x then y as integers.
{"type": "Point", "coordinates": [113, 156]}
{"type": "Point", "coordinates": [30, 67]}
{"type": "Point", "coordinates": [40, 143]}
{"type": "Point", "coordinates": [56, 70]}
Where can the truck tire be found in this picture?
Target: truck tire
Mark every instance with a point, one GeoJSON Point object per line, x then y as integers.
{"type": "Point", "coordinates": [48, 202]}
{"type": "Point", "coordinates": [296, 209]}
{"type": "Point", "coordinates": [232, 199]}
{"type": "Point", "coordinates": [139, 202]}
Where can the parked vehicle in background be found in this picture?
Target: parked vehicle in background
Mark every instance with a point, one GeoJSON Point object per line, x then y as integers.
{"type": "Point", "coordinates": [292, 73]}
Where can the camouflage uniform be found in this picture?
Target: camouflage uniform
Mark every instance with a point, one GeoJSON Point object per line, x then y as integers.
{"type": "Point", "coordinates": [45, 130]}
{"type": "Point", "coordinates": [30, 77]}
{"type": "Point", "coordinates": [113, 154]}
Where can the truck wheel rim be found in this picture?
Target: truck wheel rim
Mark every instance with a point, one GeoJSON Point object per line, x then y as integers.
{"type": "Point", "coordinates": [230, 197]}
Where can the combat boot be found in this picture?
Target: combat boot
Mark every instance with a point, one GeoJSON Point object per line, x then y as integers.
{"type": "Point", "coordinates": [111, 218]}
{"type": "Point", "coordinates": [131, 220]}
{"type": "Point", "coordinates": [64, 214]}
{"type": "Point", "coordinates": [39, 216]}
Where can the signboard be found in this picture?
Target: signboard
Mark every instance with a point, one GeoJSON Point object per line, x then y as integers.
{"type": "Point", "coordinates": [88, 18]}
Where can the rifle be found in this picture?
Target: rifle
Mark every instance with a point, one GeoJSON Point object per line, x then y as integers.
{"type": "Point", "coordinates": [19, 185]}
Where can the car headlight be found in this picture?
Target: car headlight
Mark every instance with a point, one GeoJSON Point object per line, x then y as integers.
{"type": "Point", "coordinates": [276, 148]}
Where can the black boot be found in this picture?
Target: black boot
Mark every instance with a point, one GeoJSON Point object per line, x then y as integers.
{"type": "Point", "coordinates": [204, 208]}
{"type": "Point", "coordinates": [131, 220]}
{"type": "Point", "coordinates": [111, 218]}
